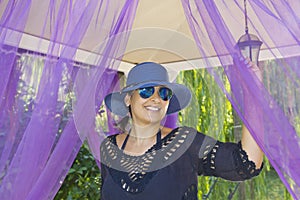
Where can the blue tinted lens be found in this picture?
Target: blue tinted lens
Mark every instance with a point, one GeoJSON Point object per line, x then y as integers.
{"type": "Point", "coordinates": [165, 93]}
{"type": "Point", "coordinates": [146, 92]}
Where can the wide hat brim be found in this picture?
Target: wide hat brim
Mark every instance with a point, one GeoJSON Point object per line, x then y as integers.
{"type": "Point", "coordinates": [180, 99]}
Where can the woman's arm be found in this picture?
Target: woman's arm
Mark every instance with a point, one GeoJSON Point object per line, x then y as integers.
{"type": "Point", "coordinates": [236, 161]}
{"type": "Point", "coordinates": [249, 145]}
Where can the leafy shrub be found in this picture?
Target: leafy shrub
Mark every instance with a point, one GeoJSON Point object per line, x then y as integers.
{"type": "Point", "coordinates": [83, 180]}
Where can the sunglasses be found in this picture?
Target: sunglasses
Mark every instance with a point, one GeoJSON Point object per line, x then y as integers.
{"type": "Point", "coordinates": [164, 92]}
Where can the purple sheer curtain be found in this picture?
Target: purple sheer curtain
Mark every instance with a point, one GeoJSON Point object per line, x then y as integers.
{"type": "Point", "coordinates": [39, 140]}
{"type": "Point", "coordinates": [37, 150]}
{"type": "Point", "coordinates": [269, 109]}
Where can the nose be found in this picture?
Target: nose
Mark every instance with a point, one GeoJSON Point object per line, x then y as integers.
{"type": "Point", "coordinates": [155, 97]}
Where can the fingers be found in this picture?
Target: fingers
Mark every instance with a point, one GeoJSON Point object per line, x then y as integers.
{"type": "Point", "coordinates": [249, 64]}
{"type": "Point", "coordinates": [246, 61]}
{"type": "Point", "coordinates": [252, 66]}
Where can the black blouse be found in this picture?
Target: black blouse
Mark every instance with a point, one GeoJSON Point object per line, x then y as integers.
{"type": "Point", "coordinates": [169, 169]}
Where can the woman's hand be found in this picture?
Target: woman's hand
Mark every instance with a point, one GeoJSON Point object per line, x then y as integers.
{"type": "Point", "coordinates": [254, 68]}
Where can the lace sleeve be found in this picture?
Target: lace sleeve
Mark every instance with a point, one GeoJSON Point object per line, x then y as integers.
{"type": "Point", "coordinates": [229, 161]}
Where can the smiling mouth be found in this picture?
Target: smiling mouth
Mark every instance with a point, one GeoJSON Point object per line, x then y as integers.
{"type": "Point", "coordinates": [152, 108]}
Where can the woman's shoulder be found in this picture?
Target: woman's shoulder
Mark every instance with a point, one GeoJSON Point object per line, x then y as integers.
{"type": "Point", "coordinates": [179, 133]}
{"type": "Point", "coordinates": [192, 134]}
{"type": "Point", "coordinates": [115, 138]}
{"type": "Point", "coordinates": [181, 129]}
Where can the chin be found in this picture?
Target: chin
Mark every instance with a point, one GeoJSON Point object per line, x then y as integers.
{"type": "Point", "coordinates": [151, 119]}
{"type": "Point", "coordinates": [156, 118]}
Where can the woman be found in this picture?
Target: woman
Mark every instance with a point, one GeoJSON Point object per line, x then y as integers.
{"type": "Point", "coordinates": [154, 162]}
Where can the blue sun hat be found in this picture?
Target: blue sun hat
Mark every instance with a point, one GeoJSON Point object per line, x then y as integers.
{"type": "Point", "coordinates": [148, 74]}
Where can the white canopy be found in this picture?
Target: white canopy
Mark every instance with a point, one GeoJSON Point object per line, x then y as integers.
{"type": "Point", "coordinates": [160, 33]}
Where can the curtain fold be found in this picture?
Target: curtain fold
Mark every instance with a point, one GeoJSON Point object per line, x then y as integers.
{"type": "Point", "coordinates": [268, 109]}
{"type": "Point", "coordinates": [40, 136]}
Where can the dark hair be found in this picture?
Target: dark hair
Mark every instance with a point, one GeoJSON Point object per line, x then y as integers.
{"type": "Point", "coordinates": [129, 109]}
{"type": "Point", "coordinates": [122, 124]}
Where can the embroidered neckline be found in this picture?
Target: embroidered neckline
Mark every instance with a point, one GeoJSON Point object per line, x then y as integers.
{"type": "Point", "coordinates": [158, 145]}
{"type": "Point", "coordinates": [158, 140]}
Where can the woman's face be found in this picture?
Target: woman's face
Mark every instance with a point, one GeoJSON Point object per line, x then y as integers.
{"type": "Point", "coordinates": [147, 110]}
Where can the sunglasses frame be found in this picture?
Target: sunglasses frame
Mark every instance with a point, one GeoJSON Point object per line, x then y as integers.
{"type": "Point", "coordinates": [152, 91]}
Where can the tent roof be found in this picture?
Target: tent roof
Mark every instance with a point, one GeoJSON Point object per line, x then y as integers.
{"type": "Point", "coordinates": [160, 33]}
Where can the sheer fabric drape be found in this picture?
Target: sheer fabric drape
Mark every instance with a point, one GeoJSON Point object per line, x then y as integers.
{"type": "Point", "coordinates": [275, 100]}
{"type": "Point", "coordinates": [40, 92]}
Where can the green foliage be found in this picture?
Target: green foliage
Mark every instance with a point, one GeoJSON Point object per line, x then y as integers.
{"type": "Point", "coordinates": [207, 103]}
{"type": "Point", "coordinates": [83, 180]}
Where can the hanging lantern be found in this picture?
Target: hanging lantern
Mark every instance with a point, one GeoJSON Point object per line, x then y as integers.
{"type": "Point", "coordinates": [249, 44]}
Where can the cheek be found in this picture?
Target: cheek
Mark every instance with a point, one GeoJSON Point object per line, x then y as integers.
{"type": "Point", "coordinates": [136, 102]}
